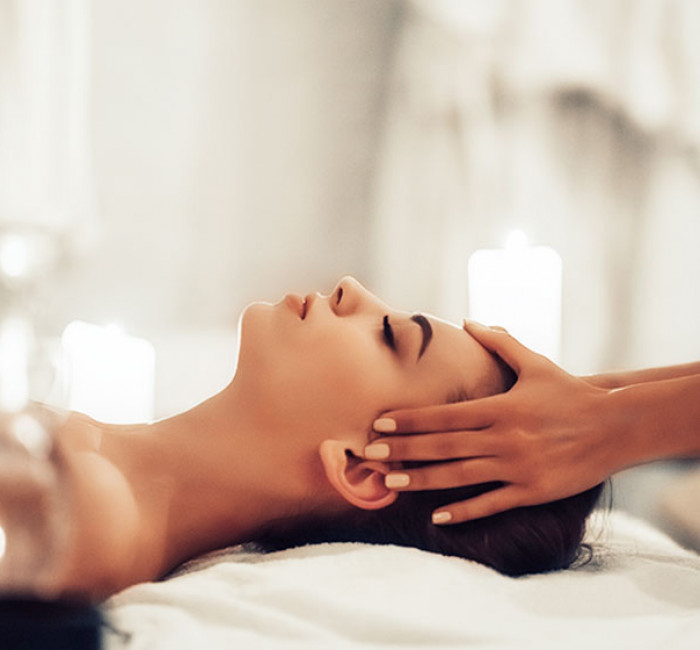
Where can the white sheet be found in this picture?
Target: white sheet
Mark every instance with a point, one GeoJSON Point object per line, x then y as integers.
{"type": "Point", "coordinates": [643, 592]}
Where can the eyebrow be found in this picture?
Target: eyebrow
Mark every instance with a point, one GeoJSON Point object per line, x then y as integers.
{"type": "Point", "coordinates": [427, 330]}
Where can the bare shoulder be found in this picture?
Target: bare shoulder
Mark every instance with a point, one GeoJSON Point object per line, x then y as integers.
{"type": "Point", "coordinates": [77, 432]}
{"type": "Point", "coordinates": [102, 552]}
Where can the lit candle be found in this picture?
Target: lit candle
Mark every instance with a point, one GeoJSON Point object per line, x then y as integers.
{"type": "Point", "coordinates": [15, 341]}
{"type": "Point", "coordinates": [519, 288]}
{"type": "Point", "coordinates": [110, 375]}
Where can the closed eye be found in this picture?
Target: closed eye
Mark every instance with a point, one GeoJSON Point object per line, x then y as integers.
{"type": "Point", "coordinates": [388, 333]}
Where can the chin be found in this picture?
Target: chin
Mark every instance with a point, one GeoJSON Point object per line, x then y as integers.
{"type": "Point", "coordinates": [256, 314]}
{"type": "Point", "coordinates": [254, 332]}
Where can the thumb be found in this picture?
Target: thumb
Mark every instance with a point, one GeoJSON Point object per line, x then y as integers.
{"type": "Point", "coordinates": [498, 341]}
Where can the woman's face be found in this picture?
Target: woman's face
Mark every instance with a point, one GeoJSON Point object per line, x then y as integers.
{"type": "Point", "coordinates": [330, 364]}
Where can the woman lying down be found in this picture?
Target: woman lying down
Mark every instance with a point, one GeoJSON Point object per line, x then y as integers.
{"type": "Point", "coordinates": [276, 456]}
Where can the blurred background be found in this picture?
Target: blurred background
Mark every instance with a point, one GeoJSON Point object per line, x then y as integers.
{"type": "Point", "coordinates": [165, 162]}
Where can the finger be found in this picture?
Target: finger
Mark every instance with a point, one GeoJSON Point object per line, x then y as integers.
{"type": "Point", "coordinates": [514, 353]}
{"type": "Point", "coordinates": [474, 414]}
{"type": "Point", "coordinates": [434, 446]}
{"type": "Point", "coordinates": [443, 476]}
{"type": "Point", "coordinates": [484, 505]}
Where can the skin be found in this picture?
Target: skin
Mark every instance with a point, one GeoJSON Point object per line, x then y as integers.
{"type": "Point", "coordinates": [550, 436]}
{"type": "Point", "coordinates": [284, 437]}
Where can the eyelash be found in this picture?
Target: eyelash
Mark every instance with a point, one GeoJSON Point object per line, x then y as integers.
{"type": "Point", "coordinates": [388, 333]}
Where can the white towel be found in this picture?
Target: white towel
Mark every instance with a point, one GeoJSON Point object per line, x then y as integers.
{"type": "Point", "coordinates": [643, 591]}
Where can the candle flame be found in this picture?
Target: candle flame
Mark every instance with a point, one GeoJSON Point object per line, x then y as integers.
{"type": "Point", "coordinates": [516, 240]}
{"type": "Point", "coordinates": [14, 256]}
{"type": "Point", "coordinates": [14, 358]}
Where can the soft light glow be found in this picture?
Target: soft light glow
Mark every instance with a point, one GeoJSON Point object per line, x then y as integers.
{"type": "Point", "coordinates": [14, 256]}
{"type": "Point", "coordinates": [115, 329]}
{"type": "Point", "coordinates": [15, 339]}
{"type": "Point", "coordinates": [519, 288]}
{"type": "Point", "coordinates": [516, 240]}
{"type": "Point", "coordinates": [110, 375]}
{"type": "Point", "coordinates": [32, 435]}
{"type": "Point", "coordinates": [3, 543]}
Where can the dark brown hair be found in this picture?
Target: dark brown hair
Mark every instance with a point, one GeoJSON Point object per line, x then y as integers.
{"type": "Point", "coordinates": [531, 539]}
{"type": "Point", "coordinates": [525, 540]}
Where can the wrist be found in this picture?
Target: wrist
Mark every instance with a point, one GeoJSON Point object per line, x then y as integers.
{"type": "Point", "coordinates": [622, 428]}
{"type": "Point", "coordinates": [612, 430]}
{"type": "Point", "coordinates": [628, 427]}
{"type": "Point", "coordinates": [652, 422]}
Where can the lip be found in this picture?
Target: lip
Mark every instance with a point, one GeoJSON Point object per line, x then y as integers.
{"type": "Point", "coordinates": [300, 305]}
{"type": "Point", "coordinates": [308, 303]}
{"type": "Point", "coordinates": [296, 303]}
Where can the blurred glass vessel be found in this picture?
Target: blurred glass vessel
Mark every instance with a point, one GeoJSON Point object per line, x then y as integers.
{"type": "Point", "coordinates": [34, 508]}
{"type": "Point", "coordinates": [34, 512]}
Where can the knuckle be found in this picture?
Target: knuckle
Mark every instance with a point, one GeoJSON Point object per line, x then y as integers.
{"type": "Point", "coordinates": [521, 438]}
{"type": "Point", "coordinates": [541, 488]}
{"type": "Point", "coordinates": [512, 446]}
{"type": "Point", "coordinates": [462, 510]}
{"type": "Point", "coordinates": [464, 469]}
{"type": "Point", "coordinates": [446, 448]}
{"type": "Point", "coordinates": [483, 509]}
{"type": "Point", "coordinates": [407, 422]}
{"type": "Point", "coordinates": [410, 421]}
{"type": "Point", "coordinates": [508, 411]}
{"type": "Point", "coordinates": [518, 499]}
{"type": "Point", "coordinates": [419, 479]}
{"type": "Point", "coordinates": [430, 477]}
{"type": "Point", "coordinates": [504, 335]}
{"type": "Point", "coordinates": [401, 448]}
{"type": "Point", "coordinates": [539, 364]}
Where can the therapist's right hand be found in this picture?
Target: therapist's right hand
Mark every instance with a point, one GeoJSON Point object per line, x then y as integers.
{"type": "Point", "coordinates": [547, 438]}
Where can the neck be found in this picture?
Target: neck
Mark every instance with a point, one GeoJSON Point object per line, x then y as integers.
{"type": "Point", "coordinates": [211, 477]}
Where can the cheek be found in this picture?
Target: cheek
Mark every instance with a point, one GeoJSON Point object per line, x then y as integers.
{"type": "Point", "coordinates": [343, 390]}
{"type": "Point", "coordinates": [327, 392]}
{"type": "Point", "coordinates": [317, 379]}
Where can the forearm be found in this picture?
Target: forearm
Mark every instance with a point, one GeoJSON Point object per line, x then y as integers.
{"type": "Point", "coordinates": [655, 420]}
{"type": "Point", "coordinates": [610, 380]}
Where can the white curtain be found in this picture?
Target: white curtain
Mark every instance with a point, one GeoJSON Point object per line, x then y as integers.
{"type": "Point", "coordinates": [578, 122]}
{"type": "Point", "coordinates": [45, 136]}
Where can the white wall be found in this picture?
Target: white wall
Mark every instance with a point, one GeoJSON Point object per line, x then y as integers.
{"type": "Point", "coordinates": [236, 149]}
{"type": "Point", "coordinates": [233, 150]}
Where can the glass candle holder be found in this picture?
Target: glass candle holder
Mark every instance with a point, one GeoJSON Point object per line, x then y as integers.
{"type": "Point", "coordinates": [34, 507]}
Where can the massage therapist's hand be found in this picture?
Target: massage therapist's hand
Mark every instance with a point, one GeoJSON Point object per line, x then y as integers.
{"type": "Point", "coordinates": [544, 439]}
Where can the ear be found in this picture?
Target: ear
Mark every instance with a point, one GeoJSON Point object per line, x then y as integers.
{"type": "Point", "coordinates": [360, 482]}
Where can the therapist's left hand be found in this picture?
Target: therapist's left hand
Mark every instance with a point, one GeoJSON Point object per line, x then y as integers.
{"type": "Point", "coordinates": [550, 436]}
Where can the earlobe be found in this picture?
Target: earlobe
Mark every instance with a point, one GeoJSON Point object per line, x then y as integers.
{"type": "Point", "coordinates": [360, 482]}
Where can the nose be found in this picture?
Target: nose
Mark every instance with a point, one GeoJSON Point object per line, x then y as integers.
{"type": "Point", "coordinates": [350, 296]}
{"type": "Point", "coordinates": [349, 283]}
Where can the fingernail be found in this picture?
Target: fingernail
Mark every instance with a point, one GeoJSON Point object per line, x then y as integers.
{"type": "Point", "coordinates": [441, 517]}
{"type": "Point", "coordinates": [377, 451]}
{"type": "Point", "coordinates": [396, 480]}
{"type": "Point", "coordinates": [384, 425]}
